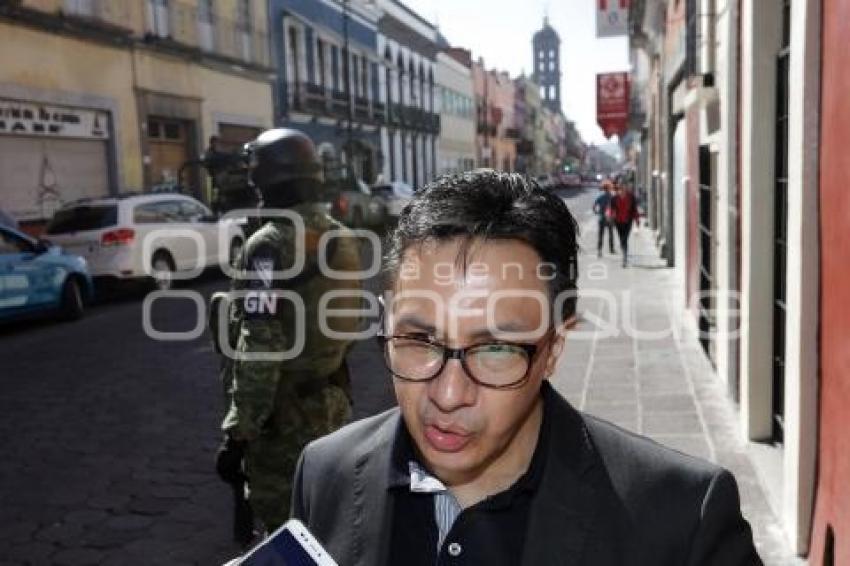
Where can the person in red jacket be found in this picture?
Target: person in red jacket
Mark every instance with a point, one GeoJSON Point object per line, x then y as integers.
{"type": "Point", "coordinates": [626, 212]}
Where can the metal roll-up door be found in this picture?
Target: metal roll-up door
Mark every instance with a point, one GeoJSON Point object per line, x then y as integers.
{"type": "Point", "coordinates": [38, 174]}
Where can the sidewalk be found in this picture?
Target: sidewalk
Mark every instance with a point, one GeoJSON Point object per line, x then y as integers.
{"type": "Point", "coordinates": [660, 386]}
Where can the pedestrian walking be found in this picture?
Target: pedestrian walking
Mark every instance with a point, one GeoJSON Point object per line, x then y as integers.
{"type": "Point", "coordinates": [276, 407]}
{"type": "Point", "coordinates": [625, 213]}
{"type": "Point", "coordinates": [602, 207]}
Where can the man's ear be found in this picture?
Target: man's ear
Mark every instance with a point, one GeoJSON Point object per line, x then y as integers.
{"type": "Point", "coordinates": [556, 348]}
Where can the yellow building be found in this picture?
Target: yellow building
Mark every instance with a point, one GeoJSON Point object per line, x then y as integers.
{"type": "Point", "coordinates": [99, 97]}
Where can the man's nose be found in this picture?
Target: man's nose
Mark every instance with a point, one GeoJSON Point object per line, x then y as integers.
{"type": "Point", "coordinates": [452, 389]}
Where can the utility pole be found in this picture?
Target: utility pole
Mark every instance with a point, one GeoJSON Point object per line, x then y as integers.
{"type": "Point", "coordinates": [347, 69]}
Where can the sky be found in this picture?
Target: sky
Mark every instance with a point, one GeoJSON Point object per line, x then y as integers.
{"type": "Point", "coordinates": [501, 31]}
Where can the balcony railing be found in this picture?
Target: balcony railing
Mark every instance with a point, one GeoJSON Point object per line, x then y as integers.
{"type": "Point", "coordinates": [182, 24]}
{"type": "Point", "coordinates": [414, 118]}
{"type": "Point", "coordinates": [379, 111]}
{"type": "Point", "coordinates": [322, 101]}
{"type": "Point", "coordinates": [361, 109]}
{"type": "Point", "coordinates": [339, 103]}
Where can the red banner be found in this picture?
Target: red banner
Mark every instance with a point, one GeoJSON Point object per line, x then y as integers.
{"type": "Point", "coordinates": [612, 103]}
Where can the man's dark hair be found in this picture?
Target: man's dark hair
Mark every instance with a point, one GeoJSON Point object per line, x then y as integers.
{"type": "Point", "coordinates": [490, 205]}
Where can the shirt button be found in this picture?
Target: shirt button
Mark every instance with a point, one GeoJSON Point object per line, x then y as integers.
{"type": "Point", "coordinates": [455, 549]}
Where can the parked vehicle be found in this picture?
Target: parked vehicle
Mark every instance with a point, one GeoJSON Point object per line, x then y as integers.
{"type": "Point", "coordinates": [570, 180]}
{"type": "Point", "coordinates": [353, 202]}
{"type": "Point", "coordinates": [395, 196]}
{"type": "Point", "coordinates": [148, 236]}
{"type": "Point", "coordinates": [546, 182]}
{"type": "Point", "coordinates": [36, 277]}
{"type": "Point", "coordinates": [8, 220]}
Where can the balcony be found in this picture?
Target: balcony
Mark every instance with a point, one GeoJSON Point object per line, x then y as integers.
{"type": "Point", "coordinates": [321, 101]}
{"type": "Point", "coordinates": [339, 104]}
{"type": "Point", "coordinates": [361, 109]}
{"type": "Point", "coordinates": [316, 98]}
{"type": "Point", "coordinates": [379, 112]}
{"type": "Point", "coordinates": [182, 26]}
{"type": "Point", "coordinates": [512, 133]}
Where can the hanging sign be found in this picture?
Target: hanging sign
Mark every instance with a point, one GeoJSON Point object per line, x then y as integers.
{"type": "Point", "coordinates": [612, 103]}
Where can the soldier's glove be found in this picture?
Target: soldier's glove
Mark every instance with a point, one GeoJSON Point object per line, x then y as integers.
{"type": "Point", "coordinates": [228, 460]}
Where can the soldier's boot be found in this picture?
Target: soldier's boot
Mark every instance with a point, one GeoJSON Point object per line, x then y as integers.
{"type": "Point", "coordinates": [243, 519]}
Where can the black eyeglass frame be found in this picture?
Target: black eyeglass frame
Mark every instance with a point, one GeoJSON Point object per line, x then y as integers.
{"type": "Point", "coordinates": [459, 354]}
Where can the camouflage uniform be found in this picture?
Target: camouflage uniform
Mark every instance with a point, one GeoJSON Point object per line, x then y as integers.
{"type": "Point", "coordinates": [278, 407]}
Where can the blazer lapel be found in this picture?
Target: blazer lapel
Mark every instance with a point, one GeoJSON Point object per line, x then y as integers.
{"type": "Point", "coordinates": [563, 512]}
{"type": "Point", "coordinates": [372, 517]}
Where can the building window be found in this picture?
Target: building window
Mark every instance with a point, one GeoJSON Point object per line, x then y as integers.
{"type": "Point", "coordinates": [421, 87]}
{"type": "Point", "coordinates": [205, 11]}
{"type": "Point", "coordinates": [401, 82]}
{"type": "Point", "coordinates": [364, 75]}
{"type": "Point", "coordinates": [80, 7]}
{"type": "Point", "coordinates": [355, 79]}
{"type": "Point", "coordinates": [335, 67]}
{"type": "Point", "coordinates": [244, 23]}
{"type": "Point", "coordinates": [206, 29]}
{"type": "Point", "coordinates": [158, 17]}
{"type": "Point", "coordinates": [294, 58]}
{"type": "Point", "coordinates": [780, 243]}
{"type": "Point", "coordinates": [320, 62]}
{"type": "Point", "coordinates": [244, 18]}
{"type": "Point", "coordinates": [412, 79]}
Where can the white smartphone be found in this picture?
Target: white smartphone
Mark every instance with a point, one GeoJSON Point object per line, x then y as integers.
{"type": "Point", "coordinates": [290, 545]}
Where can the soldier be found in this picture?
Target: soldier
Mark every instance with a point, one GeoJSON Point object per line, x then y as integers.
{"type": "Point", "coordinates": [277, 407]}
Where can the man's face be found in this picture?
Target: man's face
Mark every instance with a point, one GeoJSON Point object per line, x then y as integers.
{"type": "Point", "coordinates": [463, 429]}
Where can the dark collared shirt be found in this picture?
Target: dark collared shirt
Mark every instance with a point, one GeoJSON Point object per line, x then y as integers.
{"type": "Point", "coordinates": [491, 532]}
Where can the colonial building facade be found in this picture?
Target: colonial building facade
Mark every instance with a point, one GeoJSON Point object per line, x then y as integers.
{"type": "Point", "coordinates": [328, 79]}
{"type": "Point", "coordinates": [741, 123]}
{"type": "Point", "coordinates": [456, 102]}
{"type": "Point", "coordinates": [407, 45]}
{"type": "Point", "coordinates": [100, 97]}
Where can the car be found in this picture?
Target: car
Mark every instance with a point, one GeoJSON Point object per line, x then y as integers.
{"type": "Point", "coordinates": [7, 219]}
{"type": "Point", "coordinates": [395, 196]}
{"type": "Point", "coordinates": [145, 236]}
{"type": "Point", "coordinates": [545, 181]}
{"type": "Point", "coordinates": [353, 202]}
{"type": "Point", "coordinates": [36, 277]}
{"type": "Point", "coordinates": [570, 180]}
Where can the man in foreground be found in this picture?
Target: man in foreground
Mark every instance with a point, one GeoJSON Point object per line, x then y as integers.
{"type": "Point", "coordinates": [483, 462]}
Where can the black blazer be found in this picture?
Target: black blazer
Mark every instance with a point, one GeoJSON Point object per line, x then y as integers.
{"type": "Point", "coordinates": [607, 497]}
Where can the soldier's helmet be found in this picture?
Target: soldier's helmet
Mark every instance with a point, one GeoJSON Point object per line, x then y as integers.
{"type": "Point", "coordinates": [282, 155]}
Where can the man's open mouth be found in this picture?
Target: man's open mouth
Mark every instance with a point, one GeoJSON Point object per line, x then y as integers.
{"type": "Point", "coordinates": [447, 439]}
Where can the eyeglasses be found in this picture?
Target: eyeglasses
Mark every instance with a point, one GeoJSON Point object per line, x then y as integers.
{"type": "Point", "coordinates": [497, 365]}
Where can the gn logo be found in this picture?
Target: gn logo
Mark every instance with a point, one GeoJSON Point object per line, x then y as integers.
{"type": "Point", "coordinates": [260, 302]}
